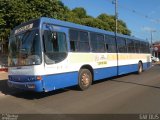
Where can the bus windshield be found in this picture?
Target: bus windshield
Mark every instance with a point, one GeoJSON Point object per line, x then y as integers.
{"type": "Point", "coordinates": [25, 49]}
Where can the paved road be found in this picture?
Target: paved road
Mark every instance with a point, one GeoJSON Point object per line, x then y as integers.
{"type": "Point", "coordinates": [126, 94]}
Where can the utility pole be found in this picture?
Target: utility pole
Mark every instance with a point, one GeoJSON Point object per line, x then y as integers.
{"type": "Point", "coordinates": [116, 24]}
{"type": "Point", "coordinates": [115, 2]}
{"type": "Point", "coordinates": [116, 16]}
{"type": "Point", "coordinates": [152, 48]}
{"type": "Point", "coordinates": [152, 36]}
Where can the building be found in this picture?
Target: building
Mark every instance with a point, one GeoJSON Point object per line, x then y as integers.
{"type": "Point", "coordinates": [156, 50]}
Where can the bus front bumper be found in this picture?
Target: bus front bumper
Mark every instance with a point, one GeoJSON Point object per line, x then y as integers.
{"type": "Point", "coordinates": [36, 86]}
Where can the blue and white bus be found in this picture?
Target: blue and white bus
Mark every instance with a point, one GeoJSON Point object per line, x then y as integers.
{"type": "Point", "coordinates": [48, 54]}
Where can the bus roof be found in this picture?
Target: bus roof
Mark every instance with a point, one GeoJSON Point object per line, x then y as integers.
{"type": "Point", "coordinates": [72, 25]}
{"type": "Point", "coordinates": [82, 27]}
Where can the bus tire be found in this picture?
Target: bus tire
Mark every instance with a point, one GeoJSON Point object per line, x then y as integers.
{"type": "Point", "coordinates": [84, 79]}
{"type": "Point", "coordinates": [140, 68]}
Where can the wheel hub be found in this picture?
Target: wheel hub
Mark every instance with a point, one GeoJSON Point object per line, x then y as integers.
{"type": "Point", "coordinates": [85, 79]}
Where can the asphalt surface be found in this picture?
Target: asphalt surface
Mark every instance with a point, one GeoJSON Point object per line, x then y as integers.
{"type": "Point", "coordinates": [130, 93]}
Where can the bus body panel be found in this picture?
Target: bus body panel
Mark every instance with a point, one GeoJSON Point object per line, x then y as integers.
{"type": "Point", "coordinates": [62, 80]}
{"type": "Point", "coordinates": [128, 62]}
{"type": "Point", "coordinates": [107, 72]}
{"type": "Point", "coordinates": [65, 74]}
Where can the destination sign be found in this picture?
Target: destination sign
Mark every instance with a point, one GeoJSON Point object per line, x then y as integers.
{"type": "Point", "coordinates": [24, 28]}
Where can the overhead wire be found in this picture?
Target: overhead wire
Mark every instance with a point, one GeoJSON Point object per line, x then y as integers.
{"type": "Point", "coordinates": [137, 12]}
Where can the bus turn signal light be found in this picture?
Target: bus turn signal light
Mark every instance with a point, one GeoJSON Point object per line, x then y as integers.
{"type": "Point", "coordinates": [39, 77]}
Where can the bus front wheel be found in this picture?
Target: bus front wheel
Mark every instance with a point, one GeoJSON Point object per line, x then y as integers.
{"type": "Point", "coordinates": [84, 79]}
{"type": "Point", "coordinates": [140, 68]}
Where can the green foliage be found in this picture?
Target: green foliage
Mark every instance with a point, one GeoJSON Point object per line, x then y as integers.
{"type": "Point", "coordinates": [80, 12]}
{"type": "Point", "coordinates": [122, 28]}
{"type": "Point", "coordinates": [95, 22]}
{"type": "Point", "coordinates": [15, 12]}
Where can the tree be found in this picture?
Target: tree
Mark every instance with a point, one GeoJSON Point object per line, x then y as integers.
{"type": "Point", "coordinates": [15, 12]}
{"type": "Point", "coordinates": [94, 22]}
{"type": "Point", "coordinates": [80, 12]}
{"type": "Point", "coordinates": [121, 28]}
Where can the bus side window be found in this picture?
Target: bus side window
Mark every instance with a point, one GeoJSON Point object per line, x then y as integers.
{"type": "Point", "coordinates": [47, 37]}
{"type": "Point", "coordinates": [110, 44]}
{"type": "Point", "coordinates": [97, 42]}
{"type": "Point", "coordinates": [137, 46]}
{"type": "Point", "coordinates": [130, 46]}
{"type": "Point", "coordinates": [79, 41]}
{"type": "Point", "coordinates": [143, 47]}
{"type": "Point", "coordinates": [121, 43]}
{"type": "Point", "coordinates": [107, 47]}
{"type": "Point", "coordinates": [93, 42]}
{"type": "Point", "coordinates": [73, 40]}
{"type": "Point", "coordinates": [84, 42]}
{"type": "Point", "coordinates": [107, 44]}
{"type": "Point", "coordinates": [55, 41]}
{"type": "Point", "coordinates": [55, 46]}
{"type": "Point", "coordinates": [100, 43]}
{"type": "Point", "coordinates": [148, 48]}
{"type": "Point", "coordinates": [72, 44]}
{"type": "Point", "coordinates": [113, 44]}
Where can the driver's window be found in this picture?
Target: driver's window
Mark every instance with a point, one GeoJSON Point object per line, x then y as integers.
{"type": "Point", "coordinates": [55, 46]}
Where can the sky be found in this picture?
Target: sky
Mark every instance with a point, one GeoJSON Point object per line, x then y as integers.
{"type": "Point", "coordinates": [141, 16]}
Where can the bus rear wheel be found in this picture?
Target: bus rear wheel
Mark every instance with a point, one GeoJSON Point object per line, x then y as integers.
{"type": "Point", "coordinates": [140, 68]}
{"type": "Point", "coordinates": [84, 79]}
